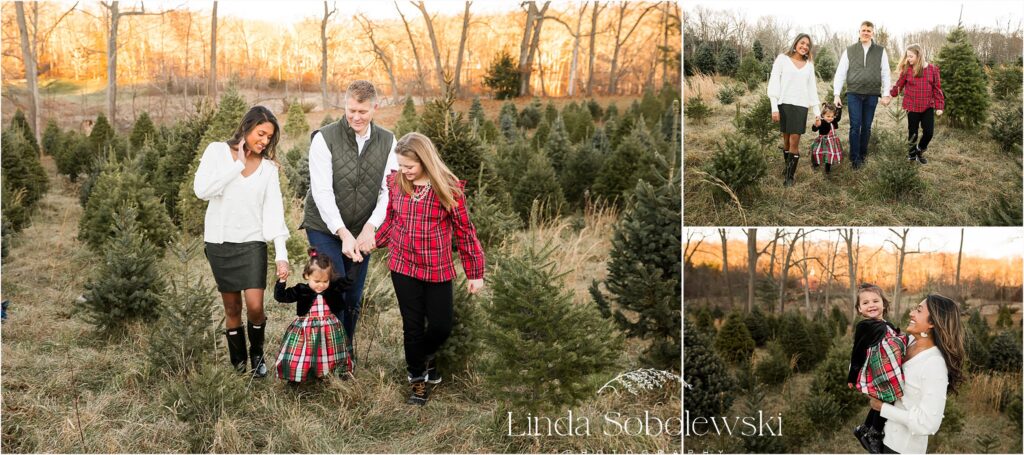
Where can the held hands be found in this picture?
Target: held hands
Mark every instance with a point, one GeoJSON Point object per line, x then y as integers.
{"type": "Point", "coordinates": [775, 117]}
{"type": "Point", "coordinates": [817, 121]}
{"type": "Point", "coordinates": [475, 286]}
{"type": "Point", "coordinates": [348, 245]}
{"type": "Point", "coordinates": [938, 112]}
{"type": "Point", "coordinates": [283, 270]}
{"type": "Point", "coordinates": [886, 100]}
{"type": "Point", "coordinates": [366, 242]}
{"type": "Point", "coordinates": [837, 102]}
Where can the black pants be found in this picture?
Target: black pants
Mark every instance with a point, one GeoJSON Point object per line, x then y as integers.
{"type": "Point", "coordinates": [427, 315]}
{"type": "Point", "coordinates": [926, 121]}
{"type": "Point", "coordinates": [875, 420]}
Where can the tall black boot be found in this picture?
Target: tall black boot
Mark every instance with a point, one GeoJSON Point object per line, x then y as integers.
{"type": "Point", "coordinates": [789, 157]}
{"type": "Point", "coordinates": [236, 348]}
{"type": "Point", "coordinates": [791, 169]}
{"type": "Point", "coordinates": [259, 364]}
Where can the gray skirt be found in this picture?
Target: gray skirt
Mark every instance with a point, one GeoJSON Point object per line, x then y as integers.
{"type": "Point", "coordinates": [792, 119]}
{"type": "Point", "coordinates": [238, 266]}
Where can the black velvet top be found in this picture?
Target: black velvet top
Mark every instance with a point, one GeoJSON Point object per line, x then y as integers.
{"type": "Point", "coordinates": [303, 296]}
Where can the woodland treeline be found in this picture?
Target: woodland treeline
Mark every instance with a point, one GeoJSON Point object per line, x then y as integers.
{"type": "Point", "coordinates": [782, 268]}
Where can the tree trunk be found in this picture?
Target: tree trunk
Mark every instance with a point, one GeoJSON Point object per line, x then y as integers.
{"type": "Point", "coordinates": [420, 81]}
{"type": "Point", "coordinates": [725, 265]}
{"type": "Point", "coordinates": [590, 51]}
{"type": "Point", "coordinates": [752, 256]}
{"type": "Point", "coordinates": [31, 77]}
{"type": "Point", "coordinates": [115, 17]}
{"type": "Point", "coordinates": [664, 45]}
{"type": "Point", "coordinates": [438, 69]}
{"type": "Point", "coordinates": [851, 254]}
{"type": "Point", "coordinates": [613, 76]}
{"type": "Point", "coordinates": [528, 46]}
{"type": "Point", "coordinates": [384, 58]}
{"type": "Point", "coordinates": [323, 56]}
{"type": "Point", "coordinates": [211, 87]}
{"type": "Point", "coordinates": [959, 256]}
{"type": "Point", "coordinates": [462, 47]}
{"type": "Point", "coordinates": [576, 51]}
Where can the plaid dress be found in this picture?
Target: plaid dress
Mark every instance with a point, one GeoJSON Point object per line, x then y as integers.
{"type": "Point", "coordinates": [314, 345]}
{"type": "Point", "coordinates": [881, 376]}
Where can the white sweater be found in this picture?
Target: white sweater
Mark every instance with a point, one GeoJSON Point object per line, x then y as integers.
{"type": "Point", "coordinates": [242, 209]}
{"type": "Point", "coordinates": [919, 413]}
{"type": "Point", "coordinates": [791, 85]}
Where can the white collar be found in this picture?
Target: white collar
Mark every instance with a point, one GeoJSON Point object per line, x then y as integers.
{"type": "Point", "coordinates": [366, 137]}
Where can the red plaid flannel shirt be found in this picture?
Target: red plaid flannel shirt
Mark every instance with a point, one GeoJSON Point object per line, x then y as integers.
{"type": "Point", "coordinates": [920, 93]}
{"type": "Point", "coordinates": [420, 236]}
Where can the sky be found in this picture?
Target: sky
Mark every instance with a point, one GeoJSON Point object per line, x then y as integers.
{"type": "Point", "coordinates": [291, 11]}
{"type": "Point", "coordinates": [898, 17]}
{"type": "Point", "coordinates": [988, 242]}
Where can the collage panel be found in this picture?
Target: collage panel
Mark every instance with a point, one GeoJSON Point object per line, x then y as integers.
{"type": "Point", "coordinates": [872, 114]}
{"type": "Point", "coordinates": [852, 340]}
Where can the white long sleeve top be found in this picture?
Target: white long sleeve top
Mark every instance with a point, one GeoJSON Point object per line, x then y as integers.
{"type": "Point", "coordinates": [321, 182]}
{"type": "Point", "coordinates": [791, 85]}
{"type": "Point", "coordinates": [919, 413]}
{"type": "Point", "coordinates": [844, 67]}
{"type": "Point", "coordinates": [242, 209]}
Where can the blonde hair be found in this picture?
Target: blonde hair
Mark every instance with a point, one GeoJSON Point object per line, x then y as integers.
{"type": "Point", "coordinates": [445, 184]}
{"type": "Point", "coordinates": [918, 65]}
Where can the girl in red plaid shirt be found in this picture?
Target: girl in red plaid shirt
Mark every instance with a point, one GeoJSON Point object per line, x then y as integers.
{"type": "Point", "coordinates": [427, 208]}
{"type": "Point", "coordinates": [922, 98]}
{"type": "Point", "coordinates": [875, 362]}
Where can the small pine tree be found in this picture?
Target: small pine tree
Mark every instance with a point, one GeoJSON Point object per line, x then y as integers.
{"type": "Point", "coordinates": [757, 50]}
{"type": "Point", "coordinates": [128, 283]}
{"type": "Point", "coordinates": [503, 77]}
{"type": "Point", "coordinates": [726, 95]}
{"type": "Point", "coordinates": [644, 270]}
{"type": "Point", "coordinates": [558, 147]}
{"type": "Point", "coordinates": [493, 221]}
{"type": "Point", "coordinates": [296, 127]}
{"type": "Point", "coordinates": [142, 131]}
{"type": "Point", "coordinates": [409, 121]}
{"type": "Point", "coordinates": [53, 139]}
{"type": "Point", "coordinates": [1004, 352]}
{"type": "Point", "coordinates": [1004, 318]}
{"type": "Point", "coordinates": [975, 348]}
{"type": "Point", "coordinates": [185, 335]}
{"type": "Point", "coordinates": [550, 112]}
{"type": "Point", "coordinates": [22, 170]}
{"type": "Point", "coordinates": [20, 123]}
{"type": "Point", "coordinates": [327, 120]}
{"type": "Point", "coordinates": [739, 163]}
{"type": "Point", "coordinates": [709, 388]}
{"type": "Point", "coordinates": [578, 122]}
{"type": "Point", "coordinates": [825, 64]}
{"type": "Point", "coordinates": [964, 82]}
{"type": "Point", "coordinates": [73, 158]}
{"type": "Point", "coordinates": [529, 117]}
{"type": "Point", "coordinates": [697, 111]}
{"type": "Point", "coordinates": [830, 379]}
{"type": "Point", "coordinates": [460, 149]}
{"type": "Point", "coordinates": [630, 162]}
{"type": "Point", "coordinates": [752, 71]}
{"type": "Point", "coordinates": [758, 326]}
{"type": "Point", "coordinates": [651, 106]}
{"type": "Point", "coordinates": [774, 368]}
{"type": "Point", "coordinates": [1007, 128]}
{"type": "Point", "coordinates": [508, 119]}
{"type": "Point", "coordinates": [612, 111]}
{"type": "Point", "coordinates": [892, 179]}
{"type": "Point", "coordinates": [101, 137]}
{"type": "Point", "coordinates": [757, 122]}
{"type": "Point", "coordinates": [296, 167]}
{"type": "Point", "coordinates": [596, 112]}
{"type": "Point", "coordinates": [734, 342]}
{"type": "Point", "coordinates": [202, 398]}
{"type": "Point", "coordinates": [476, 111]}
{"type": "Point", "coordinates": [508, 164]}
{"type": "Point", "coordinates": [114, 187]}
{"type": "Point", "coordinates": [463, 346]}
{"type": "Point", "coordinates": [704, 59]}
{"type": "Point", "coordinates": [580, 171]}
{"type": "Point", "coordinates": [15, 214]}
{"type": "Point", "coordinates": [538, 183]}
{"type": "Point", "coordinates": [545, 346]}
{"type": "Point", "coordinates": [797, 341]}
{"type": "Point", "coordinates": [728, 61]}
{"type": "Point", "coordinates": [540, 136]}
{"type": "Point", "coordinates": [1007, 81]}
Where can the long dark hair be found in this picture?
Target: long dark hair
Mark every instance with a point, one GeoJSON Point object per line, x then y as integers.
{"type": "Point", "coordinates": [256, 116]}
{"type": "Point", "coordinates": [810, 47]}
{"type": "Point", "coordinates": [948, 334]}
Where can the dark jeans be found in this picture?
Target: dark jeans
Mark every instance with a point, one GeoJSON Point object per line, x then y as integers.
{"type": "Point", "coordinates": [427, 316]}
{"type": "Point", "coordinates": [875, 420]}
{"type": "Point", "coordinates": [862, 113]}
{"type": "Point", "coordinates": [926, 120]}
{"type": "Point", "coordinates": [330, 245]}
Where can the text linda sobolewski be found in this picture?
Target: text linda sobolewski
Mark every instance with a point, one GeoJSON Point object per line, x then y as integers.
{"type": "Point", "coordinates": [613, 423]}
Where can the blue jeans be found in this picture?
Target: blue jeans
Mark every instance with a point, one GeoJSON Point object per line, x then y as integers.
{"type": "Point", "coordinates": [330, 245]}
{"type": "Point", "coordinates": [862, 113]}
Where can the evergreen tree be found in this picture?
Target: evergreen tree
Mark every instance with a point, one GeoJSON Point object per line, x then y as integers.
{"type": "Point", "coordinates": [409, 121]}
{"type": "Point", "coordinates": [709, 387]}
{"type": "Point", "coordinates": [578, 122]}
{"type": "Point", "coordinates": [128, 283]}
{"type": "Point", "coordinates": [797, 341]}
{"type": "Point", "coordinates": [22, 170]}
{"type": "Point", "coordinates": [540, 136]}
{"type": "Point", "coordinates": [509, 162]}
{"type": "Point", "coordinates": [752, 71]}
{"type": "Point", "coordinates": [296, 127]}
{"type": "Point", "coordinates": [492, 219]}
{"type": "Point", "coordinates": [545, 346]}
{"type": "Point", "coordinates": [190, 209]}
{"type": "Point", "coordinates": [825, 64]}
{"type": "Point", "coordinates": [185, 336]}
{"type": "Point", "coordinates": [476, 111]}
{"type": "Point", "coordinates": [508, 119]}
{"type": "Point", "coordinates": [581, 169]}
{"type": "Point", "coordinates": [115, 187]}
{"type": "Point", "coordinates": [774, 368]}
{"type": "Point", "coordinates": [142, 130]}
{"type": "Point", "coordinates": [758, 50]}
{"type": "Point", "coordinates": [460, 149]}
{"type": "Point", "coordinates": [631, 161]}
{"type": "Point", "coordinates": [558, 147]}
{"type": "Point", "coordinates": [596, 112]}
{"type": "Point", "coordinates": [53, 139]}
{"type": "Point", "coordinates": [1007, 81]}
{"type": "Point", "coordinates": [74, 155]}
{"type": "Point", "coordinates": [463, 346]}
{"type": "Point", "coordinates": [1004, 318]}
{"type": "Point", "coordinates": [739, 163]}
{"type": "Point", "coordinates": [696, 110]}
{"type": "Point", "coordinates": [975, 349]}
{"type": "Point", "coordinates": [1005, 352]}
{"type": "Point", "coordinates": [20, 123]}
{"type": "Point", "coordinates": [734, 342]}
{"type": "Point", "coordinates": [612, 111]}
{"type": "Point", "coordinates": [758, 326]}
{"type": "Point", "coordinates": [830, 379]}
{"type": "Point", "coordinates": [539, 183]}
{"type": "Point", "coordinates": [704, 59]}
{"type": "Point", "coordinates": [296, 167]}
{"type": "Point", "coordinates": [529, 117]}
{"type": "Point", "coordinates": [644, 269]}
{"type": "Point", "coordinates": [15, 214]}
{"type": "Point", "coordinates": [1007, 128]}
{"type": "Point", "coordinates": [963, 82]}
{"type": "Point", "coordinates": [728, 61]}
{"type": "Point", "coordinates": [757, 122]}
{"type": "Point", "coordinates": [327, 120]}
{"type": "Point", "coordinates": [182, 146]}
{"type": "Point", "coordinates": [101, 137]}
{"type": "Point", "coordinates": [671, 126]}
{"type": "Point", "coordinates": [503, 77]}
{"type": "Point", "coordinates": [550, 112]}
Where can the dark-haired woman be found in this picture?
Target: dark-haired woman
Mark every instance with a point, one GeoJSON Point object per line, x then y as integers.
{"type": "Point", "coordinates": [792, 89]}
{"type": "Point", "coordinates": [932, 368]}
{"type": "Point", "coordinates": [240, 180]}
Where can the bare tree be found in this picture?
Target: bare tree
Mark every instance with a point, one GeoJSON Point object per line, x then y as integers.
{"type": "Point", "coordinates": [594, 13]}
{"type": "Point", "coordinates": [462, 47]}
{"type": "Point", "coordinates": [420, 81]}
{"type": "Point", "coordinates": [28, 57]}
{"type": "Point", "coordinates": [528, 46]}
{"type": "Point", "coordinates": [613, 77]}
{"type": "Point", "coordinates": [959, 257]}
{"type": "Point", "coordinates": [901, 249]}
{"type": "Point", "coordinates": [575, 33]}
{"type": "Point", "coordinates": [723, 234]}
{"type": "Point", "coordinates": [113, 20]}
{"type": "Point", "coordinates": [752, 256]}
{"type": "Point", "coordinates": [691, 237]}
{"type": "Point", "coordinates": [438, 69]}
{"type": "Point", "coordinates": [211, 87]}
{"type": "Point", "coordinates": [803, 264]}
{"type": "Point", "coordinates": [380, 55]}
{"type": "Point", "coordinates": [786, 263]}
{"type": "Point", "coordinates": [323, 53]}
{"type": "Point", "coordinates": [851, 236]}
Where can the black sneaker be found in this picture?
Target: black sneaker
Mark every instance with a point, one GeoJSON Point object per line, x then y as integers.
{"type": "Point", "coordinates": [433, 376]}
{"type": "Point", "coordinates": [920, 157]}
{"type": "Point", "coordinates": [420, 393]}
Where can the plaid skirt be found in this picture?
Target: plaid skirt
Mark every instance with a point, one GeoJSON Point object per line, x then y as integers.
{"type": "Point", "coordinates": [313, 346]}
{"type": "Point", "coordinates": [881, 376]}
{"type": "Point", "coordinates": [827, 149]}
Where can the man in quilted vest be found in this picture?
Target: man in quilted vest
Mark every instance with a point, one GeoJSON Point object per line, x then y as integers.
{"type": "Point", "coordinates": [864, 68]}
{"type": "Point", "coordinates": [349, 161]}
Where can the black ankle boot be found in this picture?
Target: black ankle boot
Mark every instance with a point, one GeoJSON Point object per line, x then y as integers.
{"type": "Point", "coordinates": [912, 153]}
{"type": "Point", "coordinates": [828, 168]}
{"type": "Point", "coordinates": [920, 156]}
{"type": "Point", "coordinates": [236, 348]}
{"type": "Point", "coordinates": [259, 364]}
{"type": "Point", "coordinates": [791, 169]}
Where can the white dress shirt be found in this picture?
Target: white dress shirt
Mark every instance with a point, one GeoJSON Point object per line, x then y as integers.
{"type": "Point", "coordinates": [844, 66]}
{"type": "Point", "coordinates": [919, 413]}
{"type": "Point", "coordinates": [321, 182]}
{"type": "Point", "coordinates": [791, 85]}
{"type": "Point", "coordinates": [242, 209]}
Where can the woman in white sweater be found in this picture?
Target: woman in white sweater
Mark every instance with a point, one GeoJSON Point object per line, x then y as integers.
{"type": "Point", "coordinates": [932, 368]}
{"type": "Point", "coordinates": [792, 89]}
{"type": "Point", "coordinates": [241, 181]}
